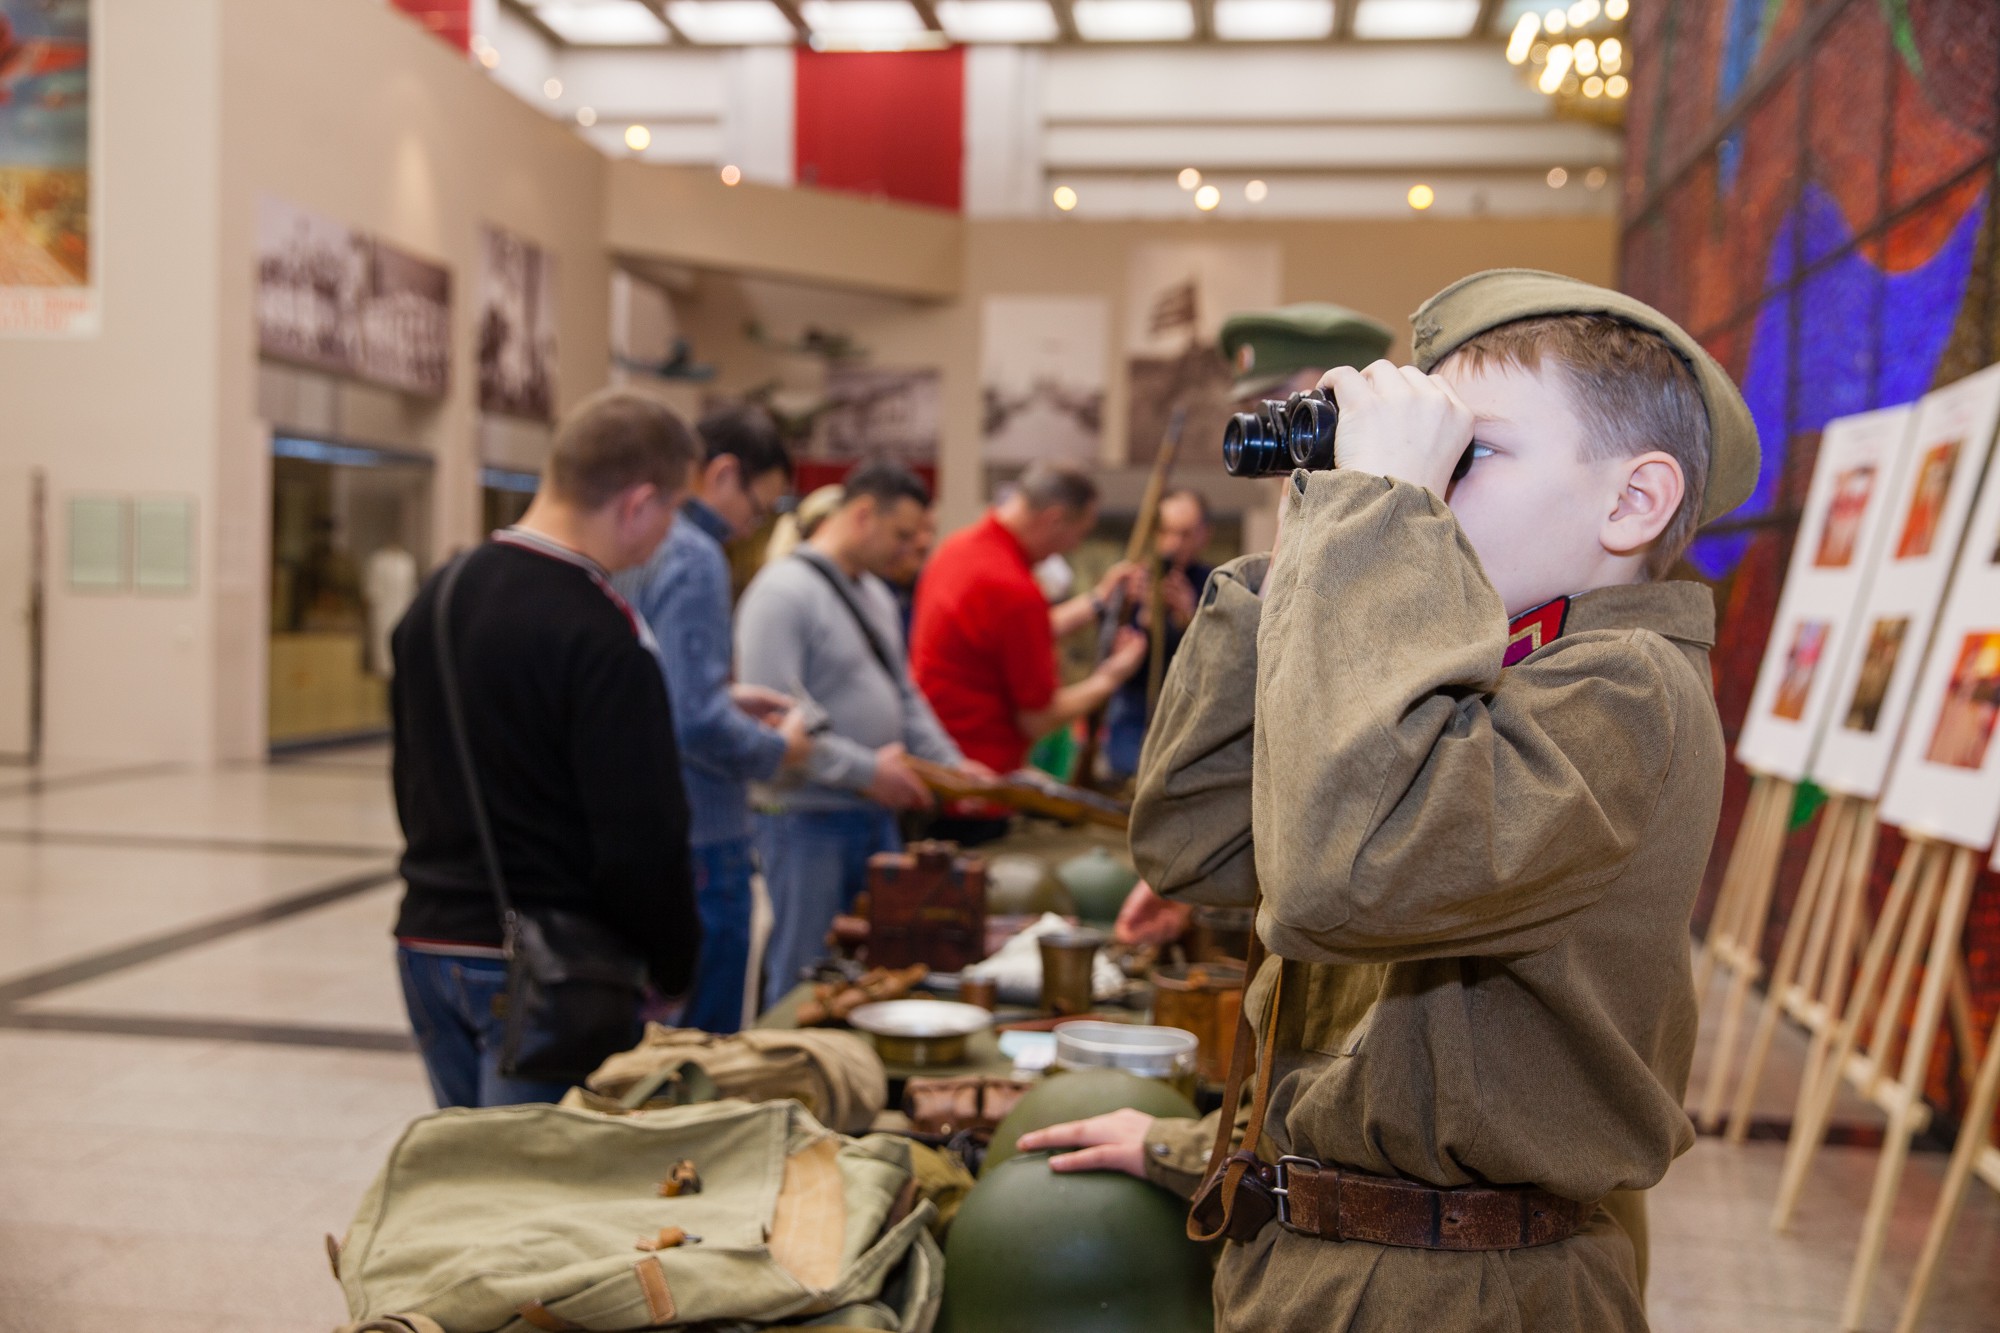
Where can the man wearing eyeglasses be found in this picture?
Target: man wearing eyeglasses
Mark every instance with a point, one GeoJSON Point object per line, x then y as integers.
{"type": "Point", "coordinates": [730, 734]}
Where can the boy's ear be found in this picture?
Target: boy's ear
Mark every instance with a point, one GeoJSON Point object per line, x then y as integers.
{"type": "Point", "coordinates": [1650, 494]}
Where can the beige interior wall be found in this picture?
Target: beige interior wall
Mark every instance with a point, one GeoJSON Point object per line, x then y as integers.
{"type": "Point", "coordinates": [355, 112]}
{"type": "Point", "coordinates": [132, 411]}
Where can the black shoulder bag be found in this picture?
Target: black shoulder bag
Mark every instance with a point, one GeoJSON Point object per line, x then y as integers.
{"type": "Point", "coordinates": [573, 986]}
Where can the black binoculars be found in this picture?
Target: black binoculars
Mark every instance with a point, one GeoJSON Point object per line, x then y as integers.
{"type": "Point", "coordinates": [1297, 433]}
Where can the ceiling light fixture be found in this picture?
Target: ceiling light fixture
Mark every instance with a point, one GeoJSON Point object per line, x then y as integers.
{"type": "Point", "coordinates": [1380, 20]}
{"type": "Point", "coordinates": [1554, 22]}
{"type": "Point", "coordinates": [603, 23]}
{"type": "Point", "coordinates": [1616, 10]}
{"type": "Point", "coordinates": [1207, 198]}
{"type": "Point", "coordinates": [1133, 20]}
{"type": "Point", "coordinates": [1256, 192]}
{"type": "Point", "coordinates": [552, 88]}
{"type": "Point", "coordinates": [1273, 20]}
{"type": "Point", "coordinates": [1595, 178]}
{"type": "Point", "coordinates": [1421, 197]}
{"type": "Point", "coordinates": [1189, 178]}
{"type": "Point", "coordinates": [1557, 178]}
{"type": "Point", "coordinates": [1557, 69]}
{"type": "Point", "coordinates": [1065, 198]}
{"type": "Point", "coordinates": [1523, 39]}
{"type": "Point", "coordinates": [638, 138]}
{"type": "Point", "coordinates": [1593, 87]}
{"type": "Point", "coordinates": [1003, 21]}
{"type": "Point", "coordinates": [732, 174]}
{"type": "Point", "coordinates": [732, 22]}
{"type": "Point", "coordinates": [1582, 12]}
{"type": "Point", "coordinates": [586, 116]}
{"type": "Point", "coordinates": [490, 57]}
{"type": "Point", "coordinates": [1617, 86]}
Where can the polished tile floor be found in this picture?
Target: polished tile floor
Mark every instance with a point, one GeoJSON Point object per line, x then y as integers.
{"type": "Point", "coordinates": [202, 1063]}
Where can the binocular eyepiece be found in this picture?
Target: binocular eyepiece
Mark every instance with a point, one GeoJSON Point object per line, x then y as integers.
{"type": "Point", "coordinates": [1278, 437]}
{"type": "Point", "coordinates": [1297, 433]}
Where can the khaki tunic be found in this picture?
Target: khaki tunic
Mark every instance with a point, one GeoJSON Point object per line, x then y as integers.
{"type": "Point", "coordinates": [1477, 881]}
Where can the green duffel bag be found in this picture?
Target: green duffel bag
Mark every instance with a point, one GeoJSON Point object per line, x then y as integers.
{"type": "Point", "coordinates": [733, 1214]}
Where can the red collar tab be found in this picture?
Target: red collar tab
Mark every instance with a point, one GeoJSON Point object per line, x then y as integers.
{"type": "Point", "coordinates": [1531, 629]}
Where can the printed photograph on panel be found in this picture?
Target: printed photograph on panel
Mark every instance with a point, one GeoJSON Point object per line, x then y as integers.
{"type": "Point", "coordinates": [1920, 525]}
{"type": "Point", "coordinates": [517, 327]}
{"type": "Point", "coordinates": [1885, 643]}
{"type": "Point", "coordinates": [1801, 664]}
{"type": "Point", "coordinates": [46, 283]}
{"type": "Point", "coordinates": [1971, 704]}
{"type": "Point", "coordinates": [1042, 373]}
{"type": "Point", "coordinates": [1851, 490]}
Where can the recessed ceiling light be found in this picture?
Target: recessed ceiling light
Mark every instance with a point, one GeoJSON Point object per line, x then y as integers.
{"type": "Point", "coordinates": [732, 22]}
{"type": "Point", "coordinates": [1381, 19]}
{"type": "Point", "coordinates": [1189, 178]}
{"type": "Point", "coordinates": [1065, 198]}
{"type": "Point", "coordinates": [865, 24]}
{"type": "Point", "coordinates": [1207, 198]}
{"type": "Point", "coordinates": [1616, 86]}
{"type": "Point", "coordinates": [997, 20]}
{"type": "Point", "coordinates": [638, 138]}
{"type": "Point", "coordinates": [1595, 178]}
{"type": "Point", "coordinates": [586, 116]}
{"type": "Point", "coordinates": [603, 22]}
{"type": "Point", "coordinates": [490, 57]}
{"type": "Point", "coordinates": [552, 88]}
{"type": "Point", "coordinates": [1256, 192]}
{"type": "Point", "coordinates": [1557, 178]}
{"type": "Point", "coordinates": [1616, 9]}
{"type": "Point", "coordinates": [1134, 20]}
{"type": "Point", "coordinates": [732, 175]}
{"type": "Point", "coordinates": [1273, 20]}
{"type": "Point", "coordinates": [1421, 197]}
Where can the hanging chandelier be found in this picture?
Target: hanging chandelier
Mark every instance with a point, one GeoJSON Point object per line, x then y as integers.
{"type": "Point", "coordinates": [1577, 56]}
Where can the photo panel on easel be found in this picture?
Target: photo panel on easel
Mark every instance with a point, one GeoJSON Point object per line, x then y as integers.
{"type": "Point", "coordinates": [1946, 780]}
{"type": "Point", "coordinates": [1878, 671]}
{"type": "Point", "coordinates": [1848, 512]}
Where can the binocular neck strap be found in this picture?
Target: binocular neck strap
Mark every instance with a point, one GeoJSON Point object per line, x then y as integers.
{"type": "Point", "coordinates": [1226, 1171]}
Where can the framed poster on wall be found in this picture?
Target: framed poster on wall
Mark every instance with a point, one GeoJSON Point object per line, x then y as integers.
{"type": "Point", "coordinates": [1042, 377]}
{"type": "Point", "coordinates": [49, 285]}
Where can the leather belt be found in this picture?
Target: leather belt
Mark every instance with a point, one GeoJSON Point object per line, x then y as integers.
{"type": "Point", "coordinates": [1311, 1198]}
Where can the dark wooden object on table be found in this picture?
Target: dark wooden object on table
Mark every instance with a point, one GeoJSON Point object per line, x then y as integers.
{"type": "Point", "coordinates": [926, 904]}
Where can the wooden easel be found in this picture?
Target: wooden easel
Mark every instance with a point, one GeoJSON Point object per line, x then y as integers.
{"type": "Point", "coordinates": [1973, 1155]}
{"type": "Point", "coordinates": [1736, 933]}
{"type": "Point", "coordinates": [1927, 901]}
{"type": "Point", "coordinates": [1810, 978]}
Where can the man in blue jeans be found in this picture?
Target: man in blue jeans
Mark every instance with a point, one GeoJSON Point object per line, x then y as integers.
{"type": "Point", "coordinates": [821, 625]}
{"type": "Point", "coordinates": [729, 734]}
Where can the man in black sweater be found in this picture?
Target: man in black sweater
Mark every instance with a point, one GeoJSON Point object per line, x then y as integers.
{"type": "Point", "coordinates": [571, 736]}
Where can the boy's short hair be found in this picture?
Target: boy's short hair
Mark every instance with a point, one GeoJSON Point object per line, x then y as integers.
{"type": "Point", "coordinates": [617, 439]}
{"type": "Point", "coordinates": [747, 434]}
{"type": "Point", "coordinates": [1630, 389]}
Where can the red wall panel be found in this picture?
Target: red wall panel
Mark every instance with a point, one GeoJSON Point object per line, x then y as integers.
{"type": "Point", "coordinates": [888, 124]}
{"type": "Point", "coordinates": [451, 20]}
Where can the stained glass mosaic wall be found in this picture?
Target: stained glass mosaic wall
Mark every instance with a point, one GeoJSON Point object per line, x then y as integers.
{"type": "Point", "coordinates": [1810, 189]}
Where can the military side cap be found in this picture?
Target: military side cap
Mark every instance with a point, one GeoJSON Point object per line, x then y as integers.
{"type": "Point", "coordinates": [1267, 347]}
{"type": "Point", "coordinates": [1471, 306]}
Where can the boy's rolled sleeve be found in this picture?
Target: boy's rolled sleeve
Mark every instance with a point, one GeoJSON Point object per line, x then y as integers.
{"type": "Point", "coordinates": [1411, 801]}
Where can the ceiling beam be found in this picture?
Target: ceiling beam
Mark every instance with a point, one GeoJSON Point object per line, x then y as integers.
{"type": "Point", "coordinates": [658, 8]}
{"type": "Point", "coordinates": [520, 10]}
{"type": "Point", "coordinates": [928, 13]}
{"type": "Point", "coordinates": [790, 9]}
{"type": "Point", "coordinates": [1489, 14]}
{"type": "Point", "coordinates": [1204, 20]}
{"type": "Point", "coordinates": [1065, 20]}
{"type": "Point", "coordinates": [1343, 19]}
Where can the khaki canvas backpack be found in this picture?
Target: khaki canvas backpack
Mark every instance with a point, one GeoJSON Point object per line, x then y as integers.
{"type": "Point", "coordinates": [835, 1075]}
{"type": "Point", "coordinates": [520, 1218]}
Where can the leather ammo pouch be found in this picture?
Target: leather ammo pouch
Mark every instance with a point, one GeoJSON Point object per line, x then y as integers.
{"type": "Point", "coordinates": [949, 1105]}
{"type": "Point", "coordinates": [573, 986]}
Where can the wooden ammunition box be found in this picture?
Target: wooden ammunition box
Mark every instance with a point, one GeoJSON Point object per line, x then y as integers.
{"type": "Point", "coordinates": [927, 905]}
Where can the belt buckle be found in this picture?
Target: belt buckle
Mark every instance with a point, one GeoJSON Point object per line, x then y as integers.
{"type": "Point", "coordinates": [1281, 1184]}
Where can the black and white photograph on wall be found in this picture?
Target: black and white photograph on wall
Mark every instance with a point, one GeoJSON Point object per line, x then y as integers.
{"type": "Point", "coordinates": [1177, 296]}
{"type": "Point", "coordinates": [337, 300]}
{"type": "Point", "coordinates": [406, 322]}
{"type": "Point", "coordinates": [517, 327]}
{"type": "Point", "coordinates": [312, 273]}
{"type": "Point", "coordinates": [879, 413]}
{"type": "Point", "coordinates": [1042, 378]}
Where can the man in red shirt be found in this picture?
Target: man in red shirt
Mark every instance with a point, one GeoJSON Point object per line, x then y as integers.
{"type": "Point", "coordinates": [982, 648]}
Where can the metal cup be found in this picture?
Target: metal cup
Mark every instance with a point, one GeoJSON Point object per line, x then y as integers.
{"type": "Point", "coordinates": [1067, 960]}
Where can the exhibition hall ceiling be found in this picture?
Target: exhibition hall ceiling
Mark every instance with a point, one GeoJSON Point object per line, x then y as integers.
{"type": "Point", "coordinates": [1093, 108]}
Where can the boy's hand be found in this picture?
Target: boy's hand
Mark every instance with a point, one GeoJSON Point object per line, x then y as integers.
{"type": "Point", "coordinates": [1114, 1142]}
{"type": "Point", "coordinates": [1396, 421]}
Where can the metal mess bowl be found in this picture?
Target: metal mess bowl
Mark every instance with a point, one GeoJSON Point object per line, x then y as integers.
{"type": "Point", "coordinates": [920, 1032]}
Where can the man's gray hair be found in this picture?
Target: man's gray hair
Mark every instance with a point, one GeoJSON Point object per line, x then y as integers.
{"type": "Point", "coordinates": [1045, 484]}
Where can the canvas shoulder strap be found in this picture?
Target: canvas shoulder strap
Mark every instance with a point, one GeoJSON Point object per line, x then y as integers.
{"type": "Point", "coordinates": [1214, 1215]}
{"type": "Point", "coordinates": [833, 581]}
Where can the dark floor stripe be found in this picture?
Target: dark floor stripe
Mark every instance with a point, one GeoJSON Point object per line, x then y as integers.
{"type": "Point", "coordinates": [188, 937]}
{"type": "Point", "coordinates": [167, 842]}
{"type": "Point", "coordinates": [209, 1029]}
{"type": "Point", "coordinates": [36, 785]}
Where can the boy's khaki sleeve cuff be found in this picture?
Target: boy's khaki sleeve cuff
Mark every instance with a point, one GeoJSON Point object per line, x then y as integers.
{"type": "Point", "coordinates": [1177, 1152]}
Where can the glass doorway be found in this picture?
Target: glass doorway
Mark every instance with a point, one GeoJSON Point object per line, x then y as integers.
{"type": "Point", "coordinates": [350, 542]}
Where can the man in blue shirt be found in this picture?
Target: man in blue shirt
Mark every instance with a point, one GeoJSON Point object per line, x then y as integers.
{"type": "Point", "coordinates": [729, 734]}
{"type": "Point", "coordinates": [1179, 538]}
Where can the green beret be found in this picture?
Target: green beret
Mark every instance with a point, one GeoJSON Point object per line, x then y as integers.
{"type": "Point", "coordinates": [1267, 347]}
{"type": "Point", "coordinates": [1473, 305]}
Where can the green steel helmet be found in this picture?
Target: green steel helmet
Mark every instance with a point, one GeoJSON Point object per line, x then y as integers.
{"type": "Point", "coordinates": [1094, 1252]}
{"type": "Point", "coordinates": [1078, 1095]}
{"type": "Point", "coordinates": [1265, 348]}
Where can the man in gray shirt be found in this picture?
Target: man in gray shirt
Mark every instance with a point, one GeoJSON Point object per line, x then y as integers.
{"type": "Point", "coordinates": [821, 625]}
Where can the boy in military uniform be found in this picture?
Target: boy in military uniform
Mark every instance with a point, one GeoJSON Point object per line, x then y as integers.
{"type": "Point", "coordinates": [1478, 811]}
